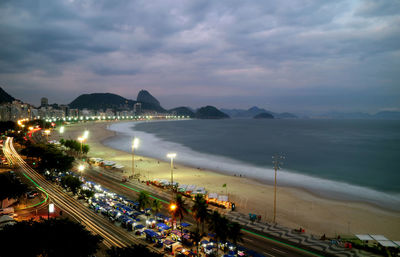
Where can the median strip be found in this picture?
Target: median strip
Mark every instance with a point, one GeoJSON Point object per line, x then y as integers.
{"type": "Point", "coordinates": [40, 188]}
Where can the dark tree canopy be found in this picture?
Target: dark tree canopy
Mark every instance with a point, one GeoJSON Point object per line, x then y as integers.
{"type": "Point", "coordinates": [52, 238]}
{"type": "Point", "coordinates": [10, 187]}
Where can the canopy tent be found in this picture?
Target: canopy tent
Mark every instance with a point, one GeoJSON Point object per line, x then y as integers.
{"type": "Point", "coordinates": [140, 226]}
{"type": "Point", "coordinates": [387, 243]}
{"type": "Point", "coordinates": [168, 242]}
{"type": "Point", "coordinates": [163, 226]}
{"type": "Point", "coordinates": [150, 233]}
{"type": "Point", "coordinates": [379, 238]}
{"type": "Point", "coordinates": [364, 237]}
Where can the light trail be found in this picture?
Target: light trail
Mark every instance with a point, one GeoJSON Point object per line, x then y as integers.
{"type": "Point", "coordinates": [113, 235]}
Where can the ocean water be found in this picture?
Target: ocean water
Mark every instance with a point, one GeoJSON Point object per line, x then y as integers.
{"type": "Point", "coordinates": [342, 159]}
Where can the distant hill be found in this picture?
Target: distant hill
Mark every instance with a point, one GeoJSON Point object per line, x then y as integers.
{"type": "Point", "coordinates": [145, 97]}
{"type": "Point", "coordinates": [5, 97]}
{"type": "Point", "coordinates": [253, 111]}
{"type": "Point", "coordinates": [264, 115]}
{"type": "Point", "coordinates": [285, 115]}
{"type": "Point", "coordinates": [182, 111]}
{"type": "Point", "coordinates": [210, 112]}
{"type": "Point", "coordinates": [390, 115]}
{"type": "Point", "coordinates": [102, 101]}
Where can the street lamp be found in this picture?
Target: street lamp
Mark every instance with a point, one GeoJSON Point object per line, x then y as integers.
{"type": "Point", "coordinates": [135, 144]}
{"type": "Point", "coordinates": [86, 134]}
{"type": "Point", "coordinates": [47, 132]}
{"type": "Point", "coordinates": [81, 168]}
{"type": "Point", "coordinates": [61, 129]}
{"type": "Point", "coordinates": [277, 161]}
{"type": "Point", "coordinates": [172, 156]}
{"type": "Point", "coordinates": [81, 139]}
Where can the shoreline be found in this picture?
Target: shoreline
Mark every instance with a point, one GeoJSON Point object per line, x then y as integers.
{"type": "Point", "coordinates": [296, 206]}
{"type": "Point", "coordinates": [319, 187]}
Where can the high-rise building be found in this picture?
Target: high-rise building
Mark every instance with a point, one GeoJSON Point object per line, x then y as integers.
{"type": "Point", "coordinates": [137, 108]}
{"type": "Point", "coordinates": [44, 102]}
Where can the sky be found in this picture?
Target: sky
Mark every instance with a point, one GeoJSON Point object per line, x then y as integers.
{"type": "Point", "coordinates": [287, 55]}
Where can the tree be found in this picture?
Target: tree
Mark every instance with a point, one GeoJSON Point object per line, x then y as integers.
{"type": "Point", "coordinates": [143, 200]}
{"type": "Point", "coordinates": [10, 187]}
{"type": "Point", "coordinates": [55, 240]}
{"type": "Point", "coordinates": [132, 251]}
{"type": "Point", "coordinates": [85, 149]}
{"type": "Point", "coordinates": [219, 225]}
{"type": "Point", "coordinates": [235, 233]}
{"type": "Point", "coordinates": [196, 237]}
{"type": "Point", "coordinates": [87, 193]}
{"type": "Point", "coordinates": [181, 210]}
{"type": "Point", "coordinates": [156, 206]}
{"type": "Point", "coordinates": [71, 182]}
{"type": "Point", "coordinates": [200, 211]}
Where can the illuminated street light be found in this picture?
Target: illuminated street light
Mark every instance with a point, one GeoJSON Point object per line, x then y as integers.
{"type": "Point", "coordinates": [81, 168]}
{"type": "Point", "coordinates": [61, 129]}
{"type": "Point", "coordinates": [135, 144]}
{"type": "Point", "coordinates": [50, 210]}
{"type": "Point", "coordinates": [81, 139]}
{"type": "Point", "coordinates": [172, 156]}
{"type": "Point", "coordinates": [86, 134]}
{"type": "Point", "coordinates": [172, 206]}
{"type": "Point", "coordinates": [47, 132]}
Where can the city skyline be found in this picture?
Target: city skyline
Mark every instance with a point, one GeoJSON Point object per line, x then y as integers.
{"type": "Point", "coordinates": [288, 56]}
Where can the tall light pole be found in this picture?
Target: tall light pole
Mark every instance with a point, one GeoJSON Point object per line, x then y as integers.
{"type": "Point", "coordinates": [135, 144]}
{"type": "Point", "coordinates": [47, 132]}
{"type": "Point", "coordinates": [277, 161]}
{"type": "Point", "coordinates": [172, 156]}
{"type": "Point", "coordinates": [81, 139]}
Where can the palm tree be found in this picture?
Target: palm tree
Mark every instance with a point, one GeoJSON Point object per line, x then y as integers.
{"type": "Point", "coordinates": [200, 211]}
{"type": "Point", "coordinates": [219, 225]}
{"type": "Point", "coordinates": [156, 206]}
{"type": "Point", "coordinates": [196, 238]}
{"type": "Point", "coordinates": [143, 200]}
{"type": "Point", "coordinates": [235, 233]}
{"type": "Point", "coordinates": [180, 210]}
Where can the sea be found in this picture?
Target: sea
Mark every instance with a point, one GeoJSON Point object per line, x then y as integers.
{"type": "Point", "coordinates": [357, 160]}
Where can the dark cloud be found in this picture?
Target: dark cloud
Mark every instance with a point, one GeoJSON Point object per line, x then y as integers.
{"type": "Point", "coordinates": [204, 50]}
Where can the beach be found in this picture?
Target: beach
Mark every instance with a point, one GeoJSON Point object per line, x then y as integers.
{"type": "Point", "coordinates": [295, 207]}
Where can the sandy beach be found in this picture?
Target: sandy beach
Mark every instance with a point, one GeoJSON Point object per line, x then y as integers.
{"type": "Point", "coordinates": [295, 207]}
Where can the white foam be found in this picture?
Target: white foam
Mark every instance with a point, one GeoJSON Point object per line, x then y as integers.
{"type": "Point", "coordinates": [152, 146]}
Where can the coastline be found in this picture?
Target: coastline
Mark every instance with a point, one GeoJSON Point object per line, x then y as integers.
{"type": "Point", "coordinates": [296, 207]}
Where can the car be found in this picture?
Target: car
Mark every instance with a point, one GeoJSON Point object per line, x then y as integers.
{"type": "Point", "coordinates": [32, 194]}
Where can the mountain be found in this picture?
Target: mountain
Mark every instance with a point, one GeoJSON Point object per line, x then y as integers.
{"type": "Point", "coordinates": [210, 112]}
{"type": "Point", "coordinates": [182, 111]}
{"type": "Point", "coordinates": [285, 115]}
{"type": "Point", "coordinates": [390, 115]}
{"type": "Point", "coordinates": [102, 101]}
{"type": "Point", "coordinates": [5, 97]}
{"type": "Point", "coordinates": [253, 111]}
{"type": "Point", "coordinates": [145, 97]}
{"type": "Point", "coordinates": [264, 115]}
{"type": "Point", "coordinates": [98, 101]}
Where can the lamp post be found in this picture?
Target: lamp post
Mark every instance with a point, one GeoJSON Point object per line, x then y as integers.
{"type": "Point", "coordinates": [81, 168]}
{"type": "Point", "coordinates": [277, 161]}
{"type": "Point", "coordinates": [135, 144]}
{"type": "Point", "coordinates": [47, 132]}
{"type": "Point", "coordinates": [86, 134]}
{"type": "Point", "coordinates": [172, 156]}
{"type": "Point", "coordinates": [81, 139]}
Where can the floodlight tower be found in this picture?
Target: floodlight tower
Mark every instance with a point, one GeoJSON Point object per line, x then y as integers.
{"type": "Point", "coordinates": [277, 161]}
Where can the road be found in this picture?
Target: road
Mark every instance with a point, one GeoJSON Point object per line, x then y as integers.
{"type": "Point", "coordinates": [112, 235]}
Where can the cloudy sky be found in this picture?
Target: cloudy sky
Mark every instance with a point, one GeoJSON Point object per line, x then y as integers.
{"type": "Point", "coordinates": [287, 55]}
